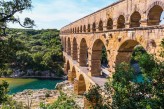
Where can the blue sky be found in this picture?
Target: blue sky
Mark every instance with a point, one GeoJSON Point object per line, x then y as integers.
{"type": "Point", "coordinates": [58, 13]}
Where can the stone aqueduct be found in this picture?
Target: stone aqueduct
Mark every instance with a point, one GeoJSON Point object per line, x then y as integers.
{"type": "Point", "coordinates": [119, 27]}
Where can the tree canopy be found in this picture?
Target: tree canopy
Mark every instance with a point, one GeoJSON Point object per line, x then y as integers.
{"type": "Point", "coordinates": [8, 9]}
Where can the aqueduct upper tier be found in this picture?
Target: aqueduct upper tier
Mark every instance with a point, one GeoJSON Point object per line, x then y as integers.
{"type": "Point", "coordinates": [119, 28]}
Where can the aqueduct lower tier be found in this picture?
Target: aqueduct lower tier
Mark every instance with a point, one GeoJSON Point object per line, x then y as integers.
{"type": "Point", "coordinates": [119, 31]}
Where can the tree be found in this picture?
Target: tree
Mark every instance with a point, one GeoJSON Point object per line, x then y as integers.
{"type": "Point", "coordinates": [129, 93]}
{"type": "Point", "coordinates": [9, 8]}
{"type": "Point", "coordinates": [3, 91]}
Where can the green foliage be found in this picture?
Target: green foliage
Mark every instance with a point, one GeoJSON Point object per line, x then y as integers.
{"type": "Point", "coordinates": [104, 59]}
{"type": "Point", "coordinates": [63, 102]}
{"type": "Point", "coordinates": [162, 50]}
{"type": "Point", "coordinates": [95, 98]}
{"type": "Point", "coordinates": [3, 91]}
{"type": "Point", "coordinates": [130, 94]}
{"type": "Point", "coordinates": [9, 8]}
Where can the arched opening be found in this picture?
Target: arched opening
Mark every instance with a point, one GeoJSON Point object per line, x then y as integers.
{"type": "Point", "coordinates": [110, 24]}
{"type": "Point", "coordinates": [81, 85]}
{"type": "Point", "coordinates": [162, 18]}
{"type": "Point", "coordinates": [154, 15]}
{"type": "Point", "coordinates": [64, 60]}
{"type": "Point", "coordinates": [94, 27]}
{"type": "Point", "coordinates": [135, 19]}
{"type": "Point", "coordinates": [74, 51]}
{"type": "Point", "coordinates": [100, 25]}
{"type": "Point", "coordinates": [75, 30]}
{"type": "Point", "coordinates": [98, 58]}
{"type": "Point", "coordinates": [130, 52]}
{"type": "Point", "coordinates": [83, 58]}
{"type": "Point", "coordinates": [69, 47]}
{"type": "Point", "coordinates": [125, 51]}
{"type": "Point", "coordinates": [67, 67]}
{"type": "Point", "coordinates": [84, 28]}
{"type": "Point", "coordinates": [121, 22]}
{"type": "Point", "coordinates": [78, 30]}
{"type": "Point", "coordinates": [65, 44]}
{"type": "Point", "coordinates": [81, 29]}
{"type": "Point", "coordinates": [89, 28]}
{"type": "Point", "coordinates": [72, 75]}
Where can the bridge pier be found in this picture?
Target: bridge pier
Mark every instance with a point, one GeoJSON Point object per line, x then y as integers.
{"type": "Point", "coordinates": [65, 68]}
{"type": "Point", "coordinates": [95, 68]}
{"type": "Point", "coordinates": [79, 87]}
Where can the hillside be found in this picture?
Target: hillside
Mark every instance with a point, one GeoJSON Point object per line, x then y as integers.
{"type": "Point", "coordinates": [31, 52]}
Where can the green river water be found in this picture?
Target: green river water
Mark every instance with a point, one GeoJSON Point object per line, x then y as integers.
{"type": "Point", "coordinates": [18, 85]}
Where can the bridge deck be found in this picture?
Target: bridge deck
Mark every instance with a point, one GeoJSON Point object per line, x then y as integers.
{"type": "Point", "coordinates": [101, 80]}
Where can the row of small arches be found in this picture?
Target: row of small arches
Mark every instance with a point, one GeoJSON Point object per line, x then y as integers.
{"type": "Point", "coordinates": [154, 18]}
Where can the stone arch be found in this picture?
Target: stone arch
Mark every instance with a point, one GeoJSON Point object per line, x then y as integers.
{"type": "Point", "coordinates": [125, 51]}
{"type": "Point", "coordinates": [154, 13]}
{"type": "Point", "coordinates": [69, 46]}
{"type": "Point", "coordinates": [78, 30]}
{"type": "Point", "coordinates": [80, 85]}
{"type": "Point", "coordinates": [81, 29]}
{"type": "Point", "coordinates": [109, 24]}
{"type": "Point", "coordinates": [73, 30]}
{"type": "Point", "coordinates": [135, 19]}
{"type": "Point", "coordinates": [94, 27]}
{"type": "Point", "coordinates": [84, 28]}
{"type": "Point", "coordinates": [65, 44]}
{"type": "Point", "coordinates": [89, 28]}
{"type": "Point", "coordinates": [96, 57]}
{"type": "Point", "coordinates": [100, 25]}
{"type": "Point", "coordinates": [74, 51]}
{"type": "Point", "coordinates": [64, 59]}
{"type": "Point", "coordinates": [83, 53]}
{"type": "Point", "coordinates": [67, 67]}
{"type": "Point", "coordinates": [121, 22]}
{"type": "Point", "coordinates": [72, 75]}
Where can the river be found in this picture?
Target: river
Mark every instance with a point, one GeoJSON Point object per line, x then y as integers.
{"type": "Point", "coordinates": [18, 85]}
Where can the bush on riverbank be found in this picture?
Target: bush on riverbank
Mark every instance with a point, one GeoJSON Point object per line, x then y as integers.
{"type": "Point", "coordinates": [63, 102]}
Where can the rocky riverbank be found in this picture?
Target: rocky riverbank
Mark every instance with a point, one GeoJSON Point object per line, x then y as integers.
{"type": "Point", "coordinates": [33, 98]}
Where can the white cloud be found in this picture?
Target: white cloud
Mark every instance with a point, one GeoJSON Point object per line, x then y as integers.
{"type": "Point", "coordinates": [58, 13]}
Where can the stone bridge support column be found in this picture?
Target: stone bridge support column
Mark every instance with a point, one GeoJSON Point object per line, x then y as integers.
{"type": "Point", "coordinates": [115, 24]}
{"type": "Point", "coordinates": [76, 86]}
{"type": "Point", "coordinates": [65, 68]}
{"type": "Point", "coordinates": [127, 25]}
{"type": "Point", "coordinates": [95, 63]}
{"type": "Point", "coordinates": [82, 57]}
{"type": "Point", "coordinates": [79, 87]}
{"type": "Point", "coordinates": [105, 26]}
{"type": "Point", "coordinates": [68, 51]}
{"type": "Point", "coordinates": [143, 23]}
{"type": "Point", "coordinates": [143, 20]}
{"type": "Point", "coordinates": [69, 76]}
